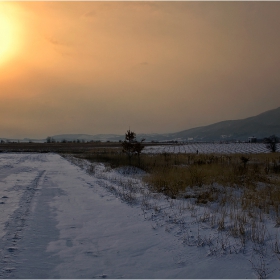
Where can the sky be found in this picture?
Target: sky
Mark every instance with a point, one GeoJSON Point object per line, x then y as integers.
{"type": "Point", "coordinates": [153, 67]}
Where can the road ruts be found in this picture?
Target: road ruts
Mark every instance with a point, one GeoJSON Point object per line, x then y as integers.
{"type": "Point", "coordinates": [15, 227]}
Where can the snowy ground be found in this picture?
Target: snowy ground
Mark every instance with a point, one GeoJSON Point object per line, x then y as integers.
{"type": "Point", "coordinates": [202, 148]}
{"type": "Point", "coordinates": [68, 219]}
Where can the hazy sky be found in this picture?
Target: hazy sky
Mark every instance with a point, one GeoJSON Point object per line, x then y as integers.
{"type": "Point", "coordinates": [102, 67]}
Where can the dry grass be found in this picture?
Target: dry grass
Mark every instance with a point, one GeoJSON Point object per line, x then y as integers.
{"type": "Point", "coordinates": [207, 177]}
{"type": "Point", "coordinates": [229, 198]}
{"type": "Point", "coordinates": [232, 201]}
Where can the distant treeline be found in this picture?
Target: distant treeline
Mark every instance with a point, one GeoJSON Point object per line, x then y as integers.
{"type": "Point", "coordinates": [177, 141]}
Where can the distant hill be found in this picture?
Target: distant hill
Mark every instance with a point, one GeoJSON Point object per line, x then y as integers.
{"type": "Point", "coordinates": [260, 126]}
{"type": "Point", "coordinates": [103, 137]}
{"type": "Point", "coordinates": [87, 137]}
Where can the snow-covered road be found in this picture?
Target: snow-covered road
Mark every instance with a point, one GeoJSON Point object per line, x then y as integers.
{"type": "Point", "coordinates": [57, 221]}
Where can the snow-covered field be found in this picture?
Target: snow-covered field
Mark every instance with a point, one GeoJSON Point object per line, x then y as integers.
{"type": "Point", "coordinates": [67, 218]}
{"type": "Point", "coordinates": [207, 148]}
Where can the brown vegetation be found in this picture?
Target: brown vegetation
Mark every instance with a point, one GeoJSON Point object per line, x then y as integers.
{"type": "Point", "coordinates": [234, 195]}
{"type": "Point", "coordinates": [198, 176]}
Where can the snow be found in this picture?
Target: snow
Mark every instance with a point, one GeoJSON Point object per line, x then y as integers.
{"type": "Point", "coordinates": [66, 218]}
{"type": "Point", "coordinates": [202, 148]}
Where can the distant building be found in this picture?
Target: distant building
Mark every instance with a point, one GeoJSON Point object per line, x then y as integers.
{"type": "Point", "coordinates": [252, 139]}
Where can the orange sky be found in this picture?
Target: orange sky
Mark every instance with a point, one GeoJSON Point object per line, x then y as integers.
{"type": "Point", "coordinates": [100, 67]}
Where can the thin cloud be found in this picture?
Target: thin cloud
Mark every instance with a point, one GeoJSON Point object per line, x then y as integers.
{"type": "Point", "coordinates": [60, 47]}
{"type": "Point", "coordinates": [179, 64]}
{"type": "Point", "coordinates": [89, 15]}
{"type": "Point", "coordinates": [56, 42]}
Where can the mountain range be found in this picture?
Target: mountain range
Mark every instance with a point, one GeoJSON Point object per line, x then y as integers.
{"type": "Point", "coordinates": [260, 126]}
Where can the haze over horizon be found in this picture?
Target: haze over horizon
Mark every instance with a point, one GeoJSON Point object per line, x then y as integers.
{"type": "Point", "coordinates": [156, 67]}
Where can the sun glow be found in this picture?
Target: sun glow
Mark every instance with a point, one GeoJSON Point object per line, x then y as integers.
{"type": "Point", "coordinates": [9, 38]}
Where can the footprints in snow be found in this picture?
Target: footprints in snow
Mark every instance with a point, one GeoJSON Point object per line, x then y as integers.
{"type": "Point", "coordinates": [3, 202]}
{"type": "Point", "coordinates": [15, 226]}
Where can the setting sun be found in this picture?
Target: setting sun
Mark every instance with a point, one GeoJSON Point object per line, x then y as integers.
{"type": "Point", "coordinates": [6, 37]}
{"type": "Point", "coordinates": [155, 66]}
{"type": "Point", "coordinates": [9, 37]}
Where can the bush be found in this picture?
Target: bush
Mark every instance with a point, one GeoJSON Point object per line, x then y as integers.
{"type": "Point", "coordinates": [131, 146]}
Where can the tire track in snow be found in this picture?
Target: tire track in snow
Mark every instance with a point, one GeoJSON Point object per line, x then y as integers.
{"type": "Point", "coordinates": [15, 227]}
